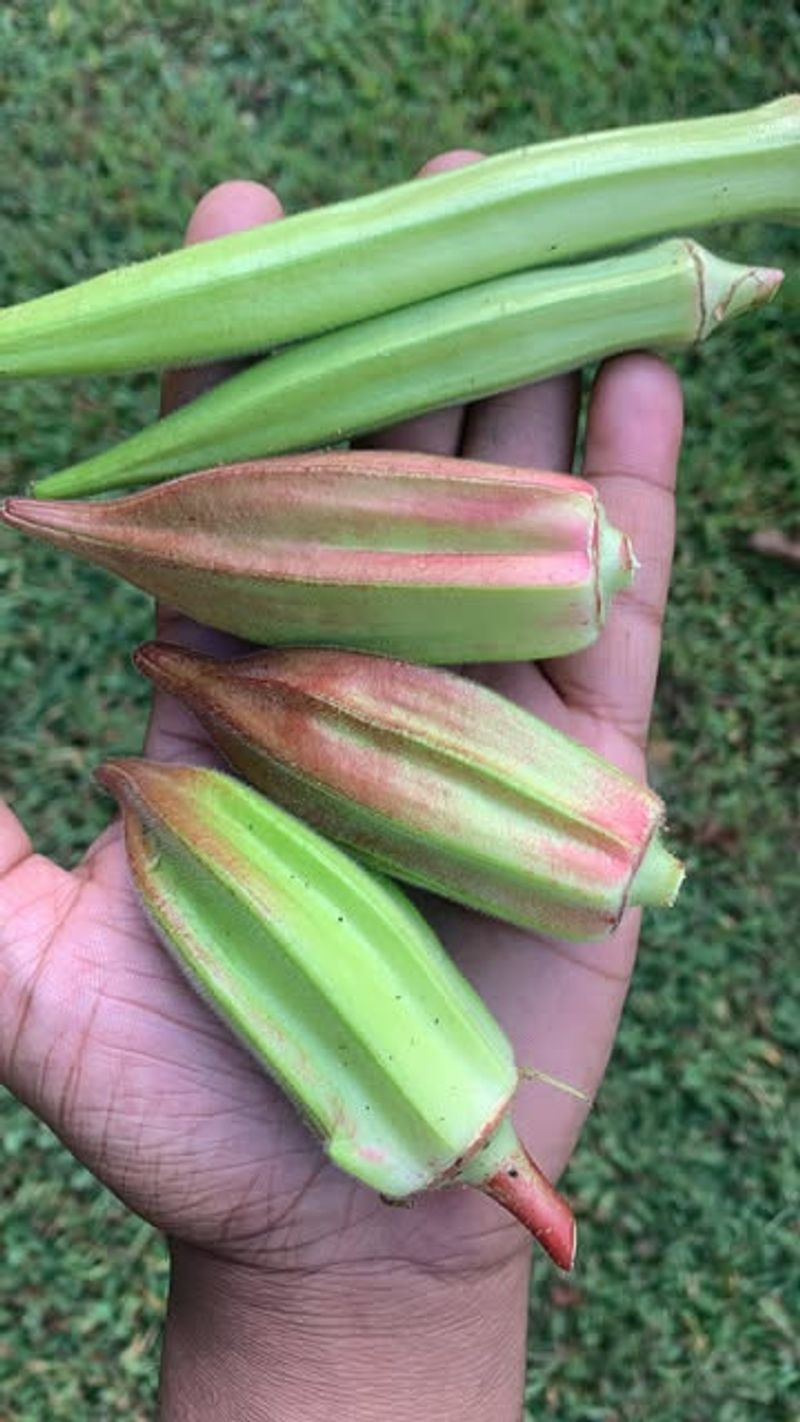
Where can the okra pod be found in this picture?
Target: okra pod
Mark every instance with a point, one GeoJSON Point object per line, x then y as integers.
{"type": "Point", "coordinates": [461, 346]}
{"type": "Point", "coordinates": [338, 987]}
{"type": "Point", "coordinates": [435, 780]}
{"type": "Point", "coordinates": [539, 205]}
{"type": "Point", "coordinates": [427, 558]}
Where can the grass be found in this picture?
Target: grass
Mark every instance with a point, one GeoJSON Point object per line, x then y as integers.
{"type": "Point", "coordinates": [686, 1181]}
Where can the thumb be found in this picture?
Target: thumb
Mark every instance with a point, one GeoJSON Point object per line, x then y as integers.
{"type": "Point", "coordinates": [36, 896]}
{"type": "Point", "coordinates": [633, 439]}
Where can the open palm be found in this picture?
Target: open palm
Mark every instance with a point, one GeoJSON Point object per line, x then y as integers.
{"type": "Point", "coordinates": [101, 1036]}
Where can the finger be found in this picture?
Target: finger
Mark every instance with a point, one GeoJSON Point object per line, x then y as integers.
{"type": "Point", "coordinates": [230, 207]}
{"type": "Point", "coordinates": [173, 733]}
{"type": "Point", "coordinates": [15, 847]}
{"type": "Point", "coordinates": [440, 431]}
{"type": "Point", "coordinates": [633, 438]}
{"type": "Point", "coordinates": [534, 426]}
{"type": "Point", "coordinates": [561, 1002]}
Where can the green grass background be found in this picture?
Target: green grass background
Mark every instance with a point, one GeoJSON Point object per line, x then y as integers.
{"type": "Point", "coordinates": [686, 1182]}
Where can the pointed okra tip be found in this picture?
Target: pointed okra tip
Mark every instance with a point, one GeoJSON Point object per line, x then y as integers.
{"type": "Point", "coordinates": [53, 520]}
{"type": "Point", "coordinates": [22, 513]}
{"type": "Point", "coordinates": [114, 776]}
{"type": "Point", "coordinates": [124, 779]}
{"type": "Point", "coordinates": [140, 785]}
{"type": "Point", "coordinates": [172, 668]}
{"type": "Point", "coordinates": [155, 796]}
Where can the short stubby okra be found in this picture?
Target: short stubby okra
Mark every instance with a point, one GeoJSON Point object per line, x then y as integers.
{"type": "Point", "coordinates": [436, 780]}
{"type": "Point", "coordinates": [533, 206]}
{"type": "Point", "coordinates": [416, 556]}
{"type": "Point", "coordinates": [461, 346]}
{"type": "Point", "coordinates": [338, 986]}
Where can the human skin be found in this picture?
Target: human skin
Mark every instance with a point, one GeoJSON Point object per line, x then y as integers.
{"type": "Point", "coordinates": [296, 1293]}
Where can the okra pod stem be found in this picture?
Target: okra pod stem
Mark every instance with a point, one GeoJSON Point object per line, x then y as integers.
{"type": "Point", "coordinates": [534, 206]}
{"type": "Point", "coordinates": [461, 346]}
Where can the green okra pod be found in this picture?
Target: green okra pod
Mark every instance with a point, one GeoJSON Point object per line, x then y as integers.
{"type": "Point", "coordinates": [339, 988]}
{"type": "Point", "coordinates": [461, 346]}
{"type": "Point", "coordinates": [539, 205]}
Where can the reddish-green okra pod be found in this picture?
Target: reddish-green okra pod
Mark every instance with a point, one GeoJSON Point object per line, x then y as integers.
{"type": "Point", "coordinates": [461, 346]}
{"type": "Point", "coordinates": [540, 205]}
{"type": "Point", "coordinates": [413, 555]}
{"type": "Point", "coordinates": [436, 780]}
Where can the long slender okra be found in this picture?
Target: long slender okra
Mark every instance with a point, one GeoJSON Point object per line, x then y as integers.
{"type": "Point", "coordinates": [533, 206]}
{"type": "Point", "coordinates": [461, 346]}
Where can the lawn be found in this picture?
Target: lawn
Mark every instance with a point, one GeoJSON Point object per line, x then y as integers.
{"type": "Point", "coordinates": [686, 1181]}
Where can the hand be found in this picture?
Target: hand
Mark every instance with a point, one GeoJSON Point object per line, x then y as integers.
{"type": "Point", "coordinates": [273, 1249]}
